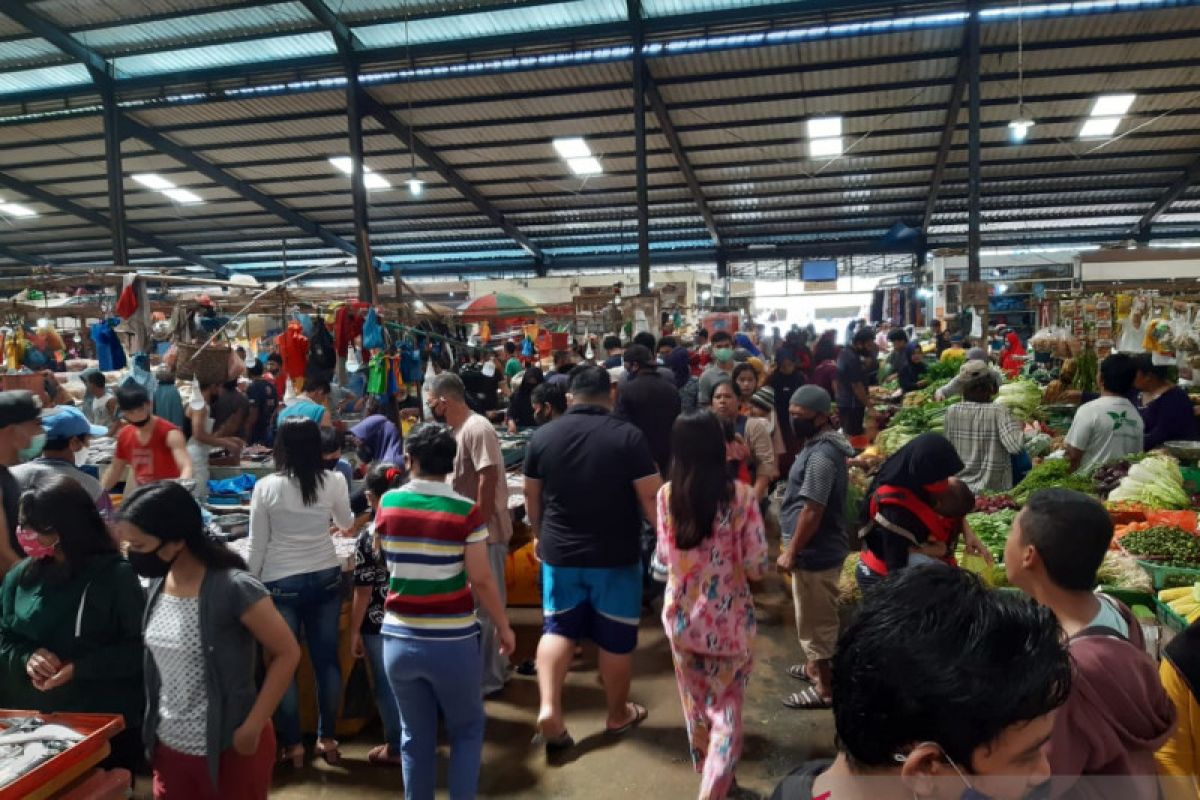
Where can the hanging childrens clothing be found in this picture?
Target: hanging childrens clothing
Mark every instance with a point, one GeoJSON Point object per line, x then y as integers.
{"type": "Point", "coordinates": [293, 349]}
{"type": "Point", "coordinates": [109, 352]}
{"type": "Point", "coordinates": [321, 353]}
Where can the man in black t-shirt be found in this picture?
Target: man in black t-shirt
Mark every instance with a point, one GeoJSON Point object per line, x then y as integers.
{"type": "Point", "coordinates": [589, 481]}
{"type": "Point", "coordinates": [263, 400]}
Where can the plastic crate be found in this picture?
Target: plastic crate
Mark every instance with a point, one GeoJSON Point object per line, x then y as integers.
{"type": "Point", "coordinates": [65, 768]}
{"type": "Point", "coordinates": [1159, 575]}
{"type": "Point", "coordinates": [1191, 479]}
{"type": "Point", "coordinates": [1168, 617]}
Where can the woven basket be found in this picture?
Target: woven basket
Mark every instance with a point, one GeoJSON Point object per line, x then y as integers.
{"type": "Point", "coordinates": [209, 366]}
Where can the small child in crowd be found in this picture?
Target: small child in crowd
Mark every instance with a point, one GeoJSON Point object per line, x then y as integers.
{"type": "Point", "coordinates": [951, 508]}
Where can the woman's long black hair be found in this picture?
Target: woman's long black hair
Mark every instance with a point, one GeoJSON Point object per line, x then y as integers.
{"type": "Point", "coordinates": [700, 483]}
{"type": "Point", "coordinates": [60, 505]}
{"type": "Point", "coordinates": [169, 513]}
{"type": "Point", "coordinates": [298, 455]}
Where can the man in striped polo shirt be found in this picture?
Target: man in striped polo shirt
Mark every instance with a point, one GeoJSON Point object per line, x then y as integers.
{"type": "Point", "coordinates": [435, 544]}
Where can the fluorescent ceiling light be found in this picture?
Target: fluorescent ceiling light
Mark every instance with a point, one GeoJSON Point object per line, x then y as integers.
{"type": "Point", "coordinates": [183, 196]}
{"type": "Point", "coordinates": [152, 181]}
{"type": "Point", "coordinates": [373, 181]}
{"type": "Point", "coordinates": [343, 163]}
{"type": "Point", "coordinates": [1112, 105]}
{"type": "Point", "coordinates": [825, 148]}
{"type": "Point", "coordinates": [1018, 129]}
{"type": "Point", "coordinates": [585, 166]}
{"type": "Point", "coordinates": [416, 186]}
{"type": "Point", "coordinates": [572, 147]}
{"type": "Point", "coordinates": [824, 127]}
{"type": "Point", "coordinates": [15, 210]}
{"type": "Point", "coordinates": [1099, 127]}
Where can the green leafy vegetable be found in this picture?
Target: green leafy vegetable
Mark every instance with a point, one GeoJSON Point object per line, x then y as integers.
{"type": "Point", "coordinates": [992, 529]}
{"type": "Point", "coordinates": [1155, 482]}
{"type": "Point", "coordinates": [1052, 474]}
{"type": "Point", "coordinates": [1164, 545]}
{"type": "Point", "coordinates": [1022, 397]}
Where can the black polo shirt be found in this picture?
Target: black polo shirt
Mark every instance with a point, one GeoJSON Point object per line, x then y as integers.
{"type": "Point", "coordinates": [651, 404]}
{"type": "Point", "coordinates": [587, 461]}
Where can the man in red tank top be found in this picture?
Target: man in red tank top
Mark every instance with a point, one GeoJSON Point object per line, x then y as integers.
{"type": "Point", "coordinates": [153, 447]}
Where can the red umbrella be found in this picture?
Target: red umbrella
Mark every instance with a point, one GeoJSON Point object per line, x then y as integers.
{"type": "Point", "coordinates": [498, 306]}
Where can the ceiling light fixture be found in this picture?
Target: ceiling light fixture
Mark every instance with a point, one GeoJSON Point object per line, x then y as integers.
{"type": "Point", "coordinates": [371, 180]}
{"type": "Point", "coordinates": [158, 183]}
{"type": "Point", "coordinates": [183, 196]}
{"type": "Point", "coordinates": [824, 137]}
{"type": "Point", "coordinates": [416, 186]}
{"type": "Point", "coordinates": [153, 181]}
{"type": "Point", "coordinates": [16, 210]}
{"type": "Point", "coordinates": [1018, 129]}
{"type": "Point", "coordinates": [1099, 127]}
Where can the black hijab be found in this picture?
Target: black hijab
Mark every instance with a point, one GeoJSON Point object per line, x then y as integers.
{"type": "Point", "coordinates": [927, 459]}
{"type": "Point", "coordinates": [1184, 653]}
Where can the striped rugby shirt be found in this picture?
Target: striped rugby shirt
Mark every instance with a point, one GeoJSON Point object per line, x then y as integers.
{"type": "Point", "coordinates": [424, 529]}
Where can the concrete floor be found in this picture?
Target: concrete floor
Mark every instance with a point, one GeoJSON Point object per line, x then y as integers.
{"type": "Point", "coordinates": [651, 761]}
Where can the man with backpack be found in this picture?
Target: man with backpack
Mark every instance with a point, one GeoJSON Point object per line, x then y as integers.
{"type": "Point", "coordinates": [1117, 715]}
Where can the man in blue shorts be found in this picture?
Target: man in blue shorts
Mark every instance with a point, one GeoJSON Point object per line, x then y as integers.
{"type": "Point", "coordinates": [589, 480]}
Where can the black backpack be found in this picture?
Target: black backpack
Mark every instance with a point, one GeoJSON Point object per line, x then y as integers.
{"type": "Point", "coordinates": [321, 355]}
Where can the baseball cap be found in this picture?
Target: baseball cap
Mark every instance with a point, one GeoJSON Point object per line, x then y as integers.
{"type": "Point", "coordinates": [18, 406]}
{"type": "Point", "coordinates": [977, 354]}
{"type": "Point", "coordinates": [814, 398]}
{"type": "Point", "coordinates": [66, 422]}
{"type": "Point", "coordinates": [973, 371]}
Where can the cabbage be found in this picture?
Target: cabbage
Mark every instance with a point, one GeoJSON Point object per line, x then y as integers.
{"type": "Point", "coordinates": [1155, 482]}
{"type": "Point", "coordinates": [1022, 397]}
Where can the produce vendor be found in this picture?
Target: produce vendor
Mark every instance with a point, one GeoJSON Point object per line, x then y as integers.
{"type": "Point", "coordinates": [1166, 409]}
{"type": "Point", "coordinates": [985, 434]}
{"type": "Point", "coordinates": [900, 513]}
{"type": "Point", "coordinates": [1012, 355]}
{"type": "Point", "coordinates": [1108, 427]}
{"type": "Point", "coordinates": [955, 386]}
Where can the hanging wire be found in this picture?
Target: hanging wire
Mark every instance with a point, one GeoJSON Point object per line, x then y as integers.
{"type": "Point", "coordinates": [412, 127]}
{"type": "Point", "coordinates": [1020, 60]}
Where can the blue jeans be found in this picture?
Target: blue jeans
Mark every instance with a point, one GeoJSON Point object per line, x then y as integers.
{"type": "Point", "coordinates": [312, 603]}
{"type": "Point", "coordinates": [385, 698]}
{"type": "Point", "coordinates": [428, 675]}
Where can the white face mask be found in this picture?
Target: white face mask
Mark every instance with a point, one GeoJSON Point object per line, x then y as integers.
{"type": "Point", "coordinates": [81, 457]}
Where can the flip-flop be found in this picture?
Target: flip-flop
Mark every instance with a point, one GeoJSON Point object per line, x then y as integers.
{"type": "Point", "coordinates": [806, 699]}
{"type": "Point", "coordinates": [639, 716]}
{"type": "Point", "coordinates": [797, 672]}
{"type": "Point", "coordinates": [555, 745]}
{"type": "Point", "coordinates": [381, 756]}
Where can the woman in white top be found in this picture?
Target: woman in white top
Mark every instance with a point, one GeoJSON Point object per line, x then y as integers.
{"type": "Point", "coordinates": [292, 553]}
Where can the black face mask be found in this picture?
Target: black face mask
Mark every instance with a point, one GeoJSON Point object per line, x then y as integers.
{"type": "Point", "coordinates": [141, 423]}
{"type": "Point", "coordinates": [149, 565]}
{"type": "Point", "coordinates": [540, 417]}
{"type": "Point", "coordinates": [804, 428]}
{"type": "Point", "coordinates": [331, 463]}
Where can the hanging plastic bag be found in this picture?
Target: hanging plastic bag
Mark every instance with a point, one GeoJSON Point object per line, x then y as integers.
{"type": "Point", "coordinates": [527, 348]}
{"type": "Point", "coordinates": [372, 335]}
{"type": "Point", "coordinates": [429, 376]}
{"type": "Point", "coordinates": [489, 369]}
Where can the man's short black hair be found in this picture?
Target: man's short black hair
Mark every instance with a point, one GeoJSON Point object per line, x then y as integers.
{"type": "Point", "coordinates": [95, 378]}
{"type": "Point", "coordinates": [936, 656]}
{"type": "Point", "coordinates": [317, 383]}
{"type": "Point", "coordinates": [1145, 365]}
{"type": "Point", "coordinates": [551, 394]}
{"type": "Point", "coordinates": [898, 335]}
{"type": "Point", "coordinates": [1117, 373]}
{"type": "Point", "coordinates": [668, 341]}
{"type": "Point", "coordinates": [432, 446]}
{"type": "Point", "coordinates": [612, 342]}
{"type": "Point", "coordinates": [702, 333]}
{"type": "Point", "coordinates": [255, 368]}
{"type": "Point", "coordinates": [276, 357]}
{"type": "Point", "coordinates": [590, 382]}
{"type": "Point", "coordinates": [864, 335]}
{"type": "Point", "coordinates": [332, 440]}
{"type": "Point", "coordinates": [1071, 533]}
{"type": "Point", "coordinates": [510, 348]}
{"type": "Point", "coordinates": [131, 397]}
{"type": "Point", "coordinates": [721, 336]}
{"type": "Point", "coordinates": [645, 339]}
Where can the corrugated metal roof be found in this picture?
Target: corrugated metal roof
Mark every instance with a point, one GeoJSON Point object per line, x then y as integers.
{"type": "Point", "coordinates": [33, 79]}
{"type": "Point", "coordinates": [217, 55]}
{"type": "Point", "coordinates": [197, 28]}
{"type": "Point", "coordinates": [74, 13]}
{"type": "Point", "coordinates": [492, 23]}
{"type": "Point", "coordinates": [32, 52]}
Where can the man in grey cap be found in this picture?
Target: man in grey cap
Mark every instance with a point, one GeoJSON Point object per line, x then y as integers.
{"type": "Point", "coordinates": [21, 439]}
{"type": "Point", "coordinates": [813, 524]}
{"type": "Point", "coordinates": [955, 386]}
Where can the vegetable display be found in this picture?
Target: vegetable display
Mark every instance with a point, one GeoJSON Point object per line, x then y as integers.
{"type": "Point", "coordinates": [1184, 601]}
{"type": "Point", "coordinates": [1109, 476]}
{"type": "Point", "coordinates": [992, 529]}
{"type": "Point", "coordinates": [944, 370]}
{"type": "Point", "coordinates": [1053, 474]}
{"type": "Point", "coordinates": [910, 422]}
{"type": "Point", "coordinates": [986, 503]}
{"type": "Point", "coordinates": [1087, 368]}
{"type": "Point", "coordinates": [1022, 397]}
{"type": "Point", "coordinates": [1155, 482]}
{"type": "Point", "coordinates": [1165, 546]}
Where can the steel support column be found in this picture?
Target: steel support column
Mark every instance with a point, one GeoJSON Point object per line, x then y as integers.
{"type": "Point", "coordinates": [974, 152]}
{"type": "Point", "coordinates": [114, 172]}
{"type": "Point", "coordinates": [358, 188]}
{"type": "Point", "coordinates": [639, 141]}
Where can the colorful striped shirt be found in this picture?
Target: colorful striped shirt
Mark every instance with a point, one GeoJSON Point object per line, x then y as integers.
{"type": "Point", "coordinates": [424, 529]}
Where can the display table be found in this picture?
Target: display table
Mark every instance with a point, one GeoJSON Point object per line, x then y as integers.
{"type": "Point", "coordinates": [75, 764]}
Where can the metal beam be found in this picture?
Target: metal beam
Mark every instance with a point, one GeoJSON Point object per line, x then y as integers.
{"type": "Point", "coordinates": [393, 125]}
{"type": "Point", "coordinates": [343, 37]}
{"type": "Point", "coordinates": [667, 128]}
{"type": "Point", "coordinates": [185, 156]}
{"type": "Point", "coordinates": [100, 220]}
{"type": "Point", "coordinates": [39, 25]}
{"type": "Point", "coordinates": [639, 145]}
{"type": "Point", "coordinates": [24, 258]}
{"type": "Point", "coordinates": [1141, 231]}
{"type": "Point", "coordinates": [951, 125]}
{"type": "Point", "coordinates": [974, 153]}
{"type": "Point", "coordinates": [114, 173]}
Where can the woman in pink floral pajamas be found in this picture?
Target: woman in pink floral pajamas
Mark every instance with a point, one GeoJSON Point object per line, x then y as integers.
{"type": "Point", "coordinates": [711, 543]}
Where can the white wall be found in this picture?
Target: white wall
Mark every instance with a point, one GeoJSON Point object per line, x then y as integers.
{"type": "Point", "coordinates": [852, 299]}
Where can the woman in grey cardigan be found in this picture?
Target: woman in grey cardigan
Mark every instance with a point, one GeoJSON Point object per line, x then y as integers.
{"type": "Point", "coordinates": [208, 728]}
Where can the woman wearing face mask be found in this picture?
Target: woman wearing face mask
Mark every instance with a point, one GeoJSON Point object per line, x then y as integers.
{"type": "Point", "coordinates": [292, 553]}
{"type": "Point", "coordinates": [70, 632]}
{"type": "Point", "coordinates": [754, 460]}
{"type": "Point", "coordinates": [208, 728]}
{"type": "Point", "coordinates": [520, 407]}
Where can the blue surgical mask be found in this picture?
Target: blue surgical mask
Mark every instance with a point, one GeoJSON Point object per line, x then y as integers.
{"type": "Point", "coordinates": [35, 448]}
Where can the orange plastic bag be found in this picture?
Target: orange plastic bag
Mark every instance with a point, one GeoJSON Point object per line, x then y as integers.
{"type": "Point", "coordinates": [1177, 519]}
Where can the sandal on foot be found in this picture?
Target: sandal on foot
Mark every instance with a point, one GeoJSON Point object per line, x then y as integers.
{"type": "Point", "coordinates": [806, 699]}
{"type": "Point", "coordinates": [292, 756]}
{"type": "Point", "coordinates": [797, 672]}
{"type": "Point", "coordinates": [555, 745]}
{"type": "Point", "coordinates": [639, 716]}
{"type": "Point", "coordinates": [329, 752]}
{"type": "Point", "coordinates": [383, 756]}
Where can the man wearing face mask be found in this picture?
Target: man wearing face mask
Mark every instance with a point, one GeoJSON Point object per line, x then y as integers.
{"type": "Point", "coordinates": [67, 436]}
{"type": "Point", "coordinates": [852, 378]}
{"type": "Point", "coordinates": [943, 690]}
{"type": "Point", "coordinates": [722, 366]}
{"type": "Point", "coordinates": [153, 447]}
{"type": "Point", "coordinates": [549, 403]}
{"type": "Point", "coordinates": [813, 525]}
{"type": "Point", "coordinates": [21, 439]}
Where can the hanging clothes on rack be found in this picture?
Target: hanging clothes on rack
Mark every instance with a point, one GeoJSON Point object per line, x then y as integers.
{"type": "Point", "coordinates": [109, 352]}
{"type": "Point", "coordinates": [348, 325]}
{"type": "Point", "coordinates": [293, 348]}
{"type": "Point", "coordinates": [321, 355]}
